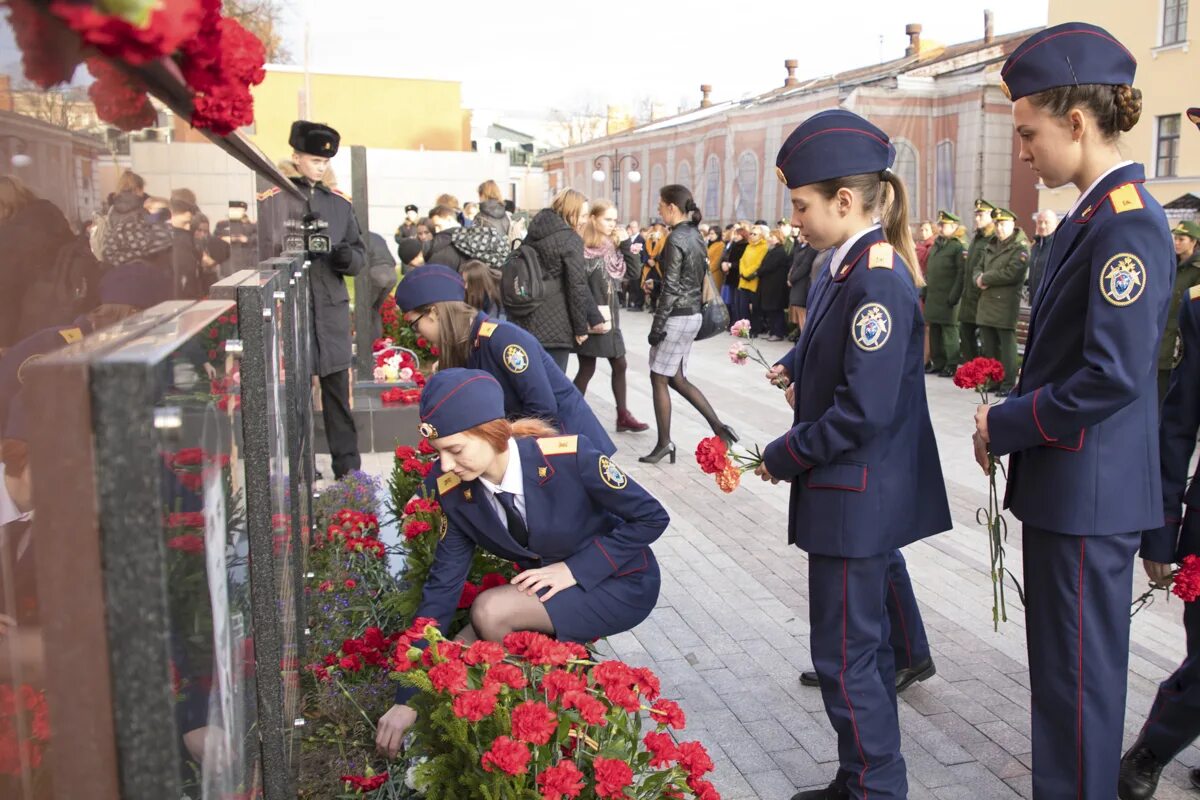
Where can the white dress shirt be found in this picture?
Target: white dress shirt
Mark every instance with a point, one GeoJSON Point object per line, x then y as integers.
{"type": "Point", "coordinates": [513, 482]}
{"type": "Point", "coordinates": [840, 254]}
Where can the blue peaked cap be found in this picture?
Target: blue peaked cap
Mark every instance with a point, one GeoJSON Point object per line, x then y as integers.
{"type": "Point", "coordinates": [456, 400]}
{"type": "Point", "coordinates": [832, 144]}
{"type": "Point", "coordinates": [429, 284]}
{"type": "Point", "coordinates": [1070, 54]}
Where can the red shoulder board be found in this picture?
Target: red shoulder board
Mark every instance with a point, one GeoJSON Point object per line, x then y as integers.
{"type": "Point", "coordinates": [341, 194]}
{"type": "Point", "coordinates": [274, 190]}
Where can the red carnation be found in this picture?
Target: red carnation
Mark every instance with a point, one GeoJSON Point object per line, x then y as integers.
{"type": "Point", "coordinates": [560, 781]}
{"type": "Point", "coordinates": [415, 527]}
{"type": "Point", "coordinates": [364, 784]}
{"type": "Point", "coordinates": [425, 448]}
{"type": "Point", "coordinates": [668, 712]}
{"type": "Point", "coordinates": [712, 454]}
{"type": "Point", "coordinates": [350, 583]}
{"type": "Point", "coordinates": [511, 757]}
{"type": "Point", "coordinates": [663, 751]}
{"type": "Point", "coordinates": [591, 710]}
{"type": "Point", "coordinates": [483, 652]}
{"type": "Point", "coordinates": [351, 663]}
{"type": "Point", "coordinates": [469, 592]}
{"type": "Point", "coordinates": [979, 373]}
{"type": "Point", "coordinates": [1187, 580]}
{"type": "Point", "coordinates": [647, 683]}
{"type": "Point", "coordinates": [492, 580]}
{"type": "Point", "coordinates": [505, 675]}
{"type": "Point", "coordinates": [449, 676]}
{"type": "Point", "coordinates": [558, 682]}
{"type": "Point", "coordinates": [612, 776]}
{"type": "Point", "coordinates": [695, 759]}
{"type": "Point", "coordinates": [187, 543]}
{"type": "Point", "coordinates": [703, 789]}
{"type": "Point", "coordinates": [475, 705]}
{"type": "Point", "coordinates": [533, 722]}
{"type": "Point", "coordinates": [168, 26]}
{"type": "Point", "coordinates": [404, 451]}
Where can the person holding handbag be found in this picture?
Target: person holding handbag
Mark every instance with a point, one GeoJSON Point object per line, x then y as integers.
{"type": "Point", "coordinates": [677, 320]}
{"type": "Point", "coordinates": [604, 266]}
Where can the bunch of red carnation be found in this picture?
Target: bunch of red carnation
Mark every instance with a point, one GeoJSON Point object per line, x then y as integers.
{"type": "Point", "coordinates": [715, 458]}
{"type": "Point", "coordinates": [979, 373]}
{"type": "Point", "coordinates": [405, 397]}
{"type": "Point", "coordinates": [1186, 583]}
{"type": "Point", "coordinates": [364, 784]}
{"type": "Point", "coordinates": [472, 590]}
{"type": "Point", "coordinates": [372, 649]}
{"type": "Point", "coordinates": [538, 709]}
{"type": "Point", "coordinates": [25, 743]}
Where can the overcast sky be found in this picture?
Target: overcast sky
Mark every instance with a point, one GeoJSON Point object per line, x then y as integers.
{"type": "Point", "coordinates": [523, 57]}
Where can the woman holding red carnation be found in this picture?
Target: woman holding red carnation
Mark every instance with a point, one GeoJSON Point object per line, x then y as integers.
{"type": "Point", "coordinates": [578, 526]}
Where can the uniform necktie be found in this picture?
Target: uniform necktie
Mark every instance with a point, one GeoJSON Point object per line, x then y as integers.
{"type": "Point", "coordinates": [516, 525]}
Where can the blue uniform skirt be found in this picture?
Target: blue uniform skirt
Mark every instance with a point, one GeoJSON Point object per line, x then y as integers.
{"type": "Point", "coordinates": [615, 605]}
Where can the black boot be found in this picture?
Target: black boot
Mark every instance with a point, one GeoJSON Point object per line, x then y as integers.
{"type": "Point", "coordinates": [1139, 774]}
{"type": "Point", "coordinates": [1194, 774]}
{"type": "Point", "coordinates": [834, 791]}
{"type": "Point", "coordinates": [917, 672]}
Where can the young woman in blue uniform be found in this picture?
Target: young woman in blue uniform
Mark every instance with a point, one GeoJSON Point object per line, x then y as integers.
{"type": "Point", "coordinates": [555, 505]}
{"type": "Point", "coordinates": [1174, 719]}
{"type": "Point", "coordinates": [432, 300]}
{"type": "Point", "coordinates": [1081, 428]}
{"type": "Point", "coordinates": [861, 456]}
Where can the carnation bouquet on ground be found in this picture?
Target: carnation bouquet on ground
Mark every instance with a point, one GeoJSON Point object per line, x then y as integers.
{"type": "Point", "coordinates": [979, 374]}
{"type": "Point", "coordinates": [719, 459]}
{"type": "Point", "coordinates": [1183, 582]}
{"type": "Point", "coordinates": [537, 719]}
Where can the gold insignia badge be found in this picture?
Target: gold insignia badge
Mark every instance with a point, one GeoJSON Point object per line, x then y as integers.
{"type": "Point", "coordinates": [487, 329]}
{"type": "Point", "coordinates": [1004, 88]}
{"type": "Point", "coordinates": [779, 174]}
{"type": "Point", "coordinates": [427, 430]}
{"type": "Point", "coordinates": [611, 474]}
{"type": "Point", "coordinates": [327, 146]}
{"type": "Point", "coordinates": [1178, 354]}
{"type": "Point", "coordinates": [445, 526]}
{"type": "Point", "coordinates": [467, 495]}
{"type": "Point", "coordinates": [871, 327]}
{"type": "Point", "coordinates": [1123, 279]}
{"type": "Point", "coordinates": [543, 472]}
{"type": "Point", "coordinates": [516, 359]}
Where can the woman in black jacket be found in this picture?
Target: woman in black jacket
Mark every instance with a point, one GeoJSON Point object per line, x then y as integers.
{"type": "Point", "coordinates": [799, 280]}
{"type": "Point", "coordinates": [677, 319]}
{"type": "Point", "coordinates": [568, 313]}
{"type": "Point", "coordinates": [772, 285]}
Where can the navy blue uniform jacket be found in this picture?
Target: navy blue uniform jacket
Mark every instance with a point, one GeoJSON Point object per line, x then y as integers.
{"type": "Point", "coordinates": [533, 384]}
{"type": "Point", "coordinates": [1082, 425]}
{"type": "Point", "coordinates": [861, 455]}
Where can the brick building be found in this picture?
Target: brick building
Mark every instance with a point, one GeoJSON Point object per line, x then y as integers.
{"type": "Point", "coordinates": [941, 105]}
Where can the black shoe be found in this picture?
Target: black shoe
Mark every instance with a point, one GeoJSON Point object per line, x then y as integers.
{"type": "Point", "coordinates": [1002, 392]}
{"type": "Point", "coordinates": [1194, 774]}
{"type": "Point", "coordinates": [930, 368]}
{"type": "Point", "coordinates": [1139, 774]}
{"type": "Point", "coordinates": [834, 791]}
{"type": "Point", "coordinates": [794, 336]}
{"type": "Point", "coordinates": [918, 672]}
{"type": "Point", "coordinates": [728, 434]}
{"type": "Point", "coordinates": [658, 453]}
{"type": "Point", "coordinates": [948, 372]}
{"type": "Point", "coordinates": [809, 679]}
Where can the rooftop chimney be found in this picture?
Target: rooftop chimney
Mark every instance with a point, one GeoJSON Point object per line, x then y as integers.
{"type": "Point", "coordinates": [988, 27]}
{"type": "Point", "coordinates": [913, 32]}
{"type": "Point", "coordinates": [705, 91]}
{"type": "Point", "coordinates": [790, 65]}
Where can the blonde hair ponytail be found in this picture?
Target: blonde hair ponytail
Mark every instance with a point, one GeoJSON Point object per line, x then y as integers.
{"type": "Point", "coordinates": [896, 228]}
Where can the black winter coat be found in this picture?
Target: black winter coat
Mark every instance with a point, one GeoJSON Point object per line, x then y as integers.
{"type": "Point", "coordinates": [568, 309]}
{"type": "Point", "coordinates": [800, 274]}
{"type": "Point", "coordinates": [492, 214]}
{"type": "Point", "coordinates": [29, 240]}
{"type": "Point", "coordinates": [772, 279]}
{"type": "Point", "coordinates": [442, 251]}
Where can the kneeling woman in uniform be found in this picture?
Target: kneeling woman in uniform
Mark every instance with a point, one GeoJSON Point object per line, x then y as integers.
{"type": "Point", "coordinates": [861, 456]}
{"type": "Point", "coordinates": [555, 505]}
{"type": "Point", "coordinates": [432, 300]}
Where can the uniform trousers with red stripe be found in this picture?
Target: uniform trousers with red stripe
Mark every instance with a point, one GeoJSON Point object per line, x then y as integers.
{"type": "Point", "coordinates": [853, 659]}
{"type": "Point", "coordinates": [1077, 595]}
{"type": "Point", "coordinates": [909, 642]}
{"type": "Point", "coordinates": [1174, 720]}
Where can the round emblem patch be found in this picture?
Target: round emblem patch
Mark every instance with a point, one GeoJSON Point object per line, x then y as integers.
{"type": "Point", "coordinates": [1123, 279]}
{"type": "Point", "coordinates": [427, 430]}
{"type": "Point", "coordinates": [872, 327]}
{"type": "Point", "coordinates": [611, 474]}
{"type": "Point", "coordinates": [445, 526]}
{"type": "Point", "coordinates": [516, 359]}
{"type": "Point", "coordinates": [1178, 355]}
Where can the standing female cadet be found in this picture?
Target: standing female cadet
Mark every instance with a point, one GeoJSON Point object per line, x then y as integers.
{"type": "Point", "coordinates": [861, 455]}
{"type": "Point", "coordinates": [555, 505]}
{"type": "Point", "coordinates": [1082, 424]}
{"type": "Point", "coordinates": [431, 299]}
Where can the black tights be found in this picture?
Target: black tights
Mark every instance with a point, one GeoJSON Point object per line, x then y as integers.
{"type": "Point", "coordinates": [587, 368]}
{"type": "Point", "coordinates": [688, 391]}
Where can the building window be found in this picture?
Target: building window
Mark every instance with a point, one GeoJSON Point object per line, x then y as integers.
{"type": "Point", "coordinates": [656, 184]}
{"type": "Point", "coordinates": [745, 201]}
{"type": "Point", "coordinates": [945, 176]}
{"type": "Point", "coordinates": [1174, 29]}
{"type": "Point", "coordinates": [906, 168]}
{"type": "Point", "coordinates": [712, 188]}
{"type": "Point", "coordinates": [683, 174]}
{"type": "Point", "coordinates": [1167, 151]}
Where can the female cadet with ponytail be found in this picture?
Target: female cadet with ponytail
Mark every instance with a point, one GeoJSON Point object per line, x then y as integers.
{"type": "Point", "coordinates": [861, 456]}
{"type": "Point", "coordinates": [677, 319]}
{"type": "Point", "coordinates": [1081, 425]}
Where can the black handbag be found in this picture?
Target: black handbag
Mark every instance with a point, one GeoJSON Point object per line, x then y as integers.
{"type": "Point", "coordinates": [714, 314]}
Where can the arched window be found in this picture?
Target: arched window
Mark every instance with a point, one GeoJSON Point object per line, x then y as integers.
{"type": "Point", "coordinates": [656, 184]}
{"type": "Point", "coordinates": [906, 168]}
{"type": "Point", "coordinates": [683, 174]}
{"type": "Point", "coordinates": [712, 188]}
{"type": "Point", "coordinates": [945, 176]}
{"type": "Point", "coordinates": [745, 200]}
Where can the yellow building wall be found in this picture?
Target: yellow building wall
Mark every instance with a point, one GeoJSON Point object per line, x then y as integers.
{"type": "Point", "coordinates": [392, 113]}
{"type": "Point", "coordinates": [1165, 76]}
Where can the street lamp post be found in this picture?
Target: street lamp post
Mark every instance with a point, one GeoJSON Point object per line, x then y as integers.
{"type": "Point", "coordinates": [615, 161]}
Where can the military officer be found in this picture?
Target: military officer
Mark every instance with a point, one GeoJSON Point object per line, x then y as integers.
{"type": "Point", "coordinates": [861, 456]}
{"type": "Point", "coordinates": [1187, 275]}
{"type": "Point", "coordinates": [313, 144]}
{"type": "Point", "coordinates": [242, 236]}
{"type": "Point", "coordinates": [580, 528]}
{"type": "Point", "coordinates": [1081, 427]}
{"type": "Point", "coordinates": [1000, 277]}
{"type": "Point", "coordinates": [968, 331]}
{"type": "Point", "coordinates": [432, 300]}
{"type": "Point", "coordinates": [944, 288]}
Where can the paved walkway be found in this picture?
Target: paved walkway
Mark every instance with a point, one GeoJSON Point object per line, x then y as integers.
{"type": "Point", "coordinates": [730, 633]}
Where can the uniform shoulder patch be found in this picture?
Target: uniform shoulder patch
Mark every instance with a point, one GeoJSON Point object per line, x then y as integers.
{"type": "Point", "coordinates": [1194, 293]}
{"type": "Point", "coordinates": [71, 335]}
{"type": "Point", "coordinates": [872, 327]}
{"type": "Point", "coordinates": [882, 256]}
{"type": "Point", "coordinates": [274, 190]}
{"type": "Point", "coordinates": [1123, 279]}
{"type": "Point", "coordinates": [558, 445]}
{"type": "Point", "coordinates": [487, 329]}
{"type": "Point", "coordinates": [447, 481]}
{"type": "Point", "coordinates": [516, 360]}
{"type": "Point", "coordinates": [611, 474]}
{"type": "Point", "coordinates": [1126, 198]}
{"type": "Point", "coordinates": [340, 193]}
